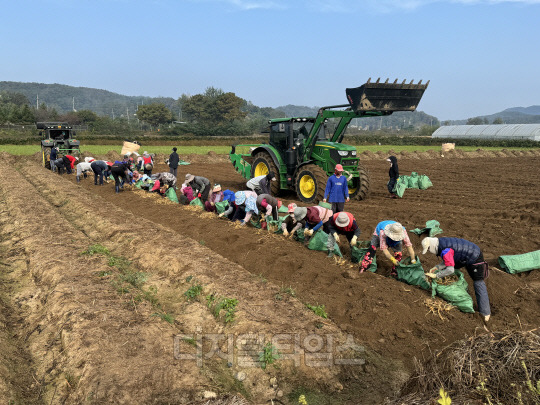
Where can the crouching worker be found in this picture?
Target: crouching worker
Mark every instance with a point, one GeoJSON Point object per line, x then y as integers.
{"type": "Point", "coordinates": [268, 204]}
{"type": "Point", "coordinates": [457, 253]}
{"type": "Point", "coordinates": [388, 234]}
{"type": "Point", "coordinates": [262, 184]}
{"type": "Point", "coordinates": [82, 168]}
{"type": "Point", "coordinates": [120, 172]}
{"type": "Point", "coordinates": [315, 217]}
{"type": "Point", "coordinates": [199, 184]}
{"type": "Point", "coordinates": [215, 196]}
{"type": "Point", "coordinates": [289, 226]}
{"type": "Point", "coordinates": [342, 223]}
{"type": "Point", "coordinates": [245, 205]}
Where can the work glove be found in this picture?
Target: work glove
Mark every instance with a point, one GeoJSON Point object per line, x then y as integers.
{"type": "Point", "coordinates": [199, 195]}
{"type": "Point", "coordinates": [220, 215]}
{"type": "Point", "coordinates": [308, 232]}
{"type": "Point", "coordinates": [413, 261]}
{"type": "Point", "coordinates": [394, 261]}
{"type": "Point", "coordinates": [433, 270]}
{"type": "Point", "coordinates": [285, 233]}
{"type": "Point", "coordinates": [336, 237]}
{"type": "Point", "coordinates": [354, 239]}
{"type": "Point", "coordinates": [431, 275]}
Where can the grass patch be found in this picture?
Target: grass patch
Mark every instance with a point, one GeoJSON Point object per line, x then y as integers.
{"type": "Point", "coordinates": [268, 356]}
{"type": "Point", "coordinates": [97, 249]}
{"type": "Point", "coordinates": [219, 304]}
{"type": "Point", "coordinates": [165, 317]}
{"type": "Point", "coordinates": [318, 310]}
{"type": "Point", "coordinates": [193, 292]}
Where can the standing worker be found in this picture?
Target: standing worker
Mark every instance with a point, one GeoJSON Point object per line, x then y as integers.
{"type": "Point", "coordinates": [388, 234]}
{"type": "Point", "coordinates": [393, 173]}
{"type": "Point", "coordinates": [341, 223]}
{"type": "Point", "coordinates": [456, 254]}
{"type": "Point", "coordinates": [174, 159]}
{"type": "Point", "coordinates": [337, 190]}
{"type": "Point", "coordinates": [262, 184]}
{"type": "Point", "coordinates": [53, 157]}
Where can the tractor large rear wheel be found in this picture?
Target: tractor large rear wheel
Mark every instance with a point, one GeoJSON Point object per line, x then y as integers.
{"type": "Point", "coordinates": [46, 154]}
{"type": "Point", "coordinates": [310, 182]}
{"type": "Point", "coordinates": [360, 188]}
{"type": "Point", "coordinates": [264, 164]}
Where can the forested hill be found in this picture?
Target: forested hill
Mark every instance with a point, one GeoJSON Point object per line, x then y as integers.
{"type": "Point", "coordinates": [63, 98]}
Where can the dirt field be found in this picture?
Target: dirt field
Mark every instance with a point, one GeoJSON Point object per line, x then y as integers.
{"type": "Point", "coordinates": [73, 334]}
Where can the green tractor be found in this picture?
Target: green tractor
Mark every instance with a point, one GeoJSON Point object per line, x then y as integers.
{"type": "Point", "coordinates": [302, 152]}
{"type": "Point", "coordinates": [57, 135]}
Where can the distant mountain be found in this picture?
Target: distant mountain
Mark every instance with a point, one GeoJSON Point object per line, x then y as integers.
{"type": "Point", "coordinates": [532, 110]}
{"type": "Point", "coordinates": [65, 98]}
{"type": "Point", "coordinates": [298, 110]}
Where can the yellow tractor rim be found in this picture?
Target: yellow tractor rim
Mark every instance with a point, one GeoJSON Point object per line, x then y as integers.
{"type": "Point", "coordinates": [307, 186]}
{"type": "Point", "coordinates": [44, 160]}
{"type": "Point", "coordinates": [261, 169]}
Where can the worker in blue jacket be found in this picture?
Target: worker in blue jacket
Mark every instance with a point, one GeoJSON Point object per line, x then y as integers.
{"type": "Point", "coordinates": [337, 191]}
{"type": "Point", "coordinates": [456, 254]}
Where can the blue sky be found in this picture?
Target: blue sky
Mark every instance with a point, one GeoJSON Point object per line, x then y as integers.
{"type": "Point", "coordinates": [481, 56]}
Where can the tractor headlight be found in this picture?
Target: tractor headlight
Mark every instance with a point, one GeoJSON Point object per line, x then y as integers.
{"type": "Point", "coordinates": [343, 152]}
{"type": "Point", "coordinates": [353, 153]}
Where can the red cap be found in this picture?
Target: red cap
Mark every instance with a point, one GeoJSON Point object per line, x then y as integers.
{"type": "Point", "coordinates": [339, 168]}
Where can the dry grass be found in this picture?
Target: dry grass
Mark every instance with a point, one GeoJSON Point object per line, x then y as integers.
{"type": "Point", "coordinates": [438, 307]}
{"type": "Point", "coordinates": [499, 368]}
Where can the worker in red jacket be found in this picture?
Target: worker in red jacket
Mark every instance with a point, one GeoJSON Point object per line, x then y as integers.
{"type": "Point", "coordinates": [69, 162]}
{"type": "Point", "coordinates": [341, 223]}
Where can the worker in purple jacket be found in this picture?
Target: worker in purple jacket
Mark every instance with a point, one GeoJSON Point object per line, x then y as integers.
{"type": "Point", "coordinates": [337, 191]}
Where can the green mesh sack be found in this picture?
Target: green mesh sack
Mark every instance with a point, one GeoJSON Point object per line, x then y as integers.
{"type": "Point", "coordinates": [413, 180]}
{"type": "Point", "coordinates": [274, 225]}
{"type": "Point", "coordinates": [455, 293]}
{"type": "Point", "coordinates": [222, 206]}
{"type": "Point", "coordinates": [359, 252]}
{"type": "Point", "coordinates": [412, 274]}
{"type": "Point", "coordinates": [424, 182]}
{"type": "Point", "coordinates": [518, 263]}
{"type": "Point", "coordinates": [300, 235]}
{"type": "Point", "coordinates": [401, 186]}
{"type": "Point", "coordinates": [319, 242]}
{"type": "Point", "coordinates": [197, 203]}
{"type": "Point", "coordinates": [171, 195]}
{"type": "Point", "coordinates": [139, 184]}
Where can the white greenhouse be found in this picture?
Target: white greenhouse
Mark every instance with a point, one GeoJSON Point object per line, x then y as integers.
{"type": "Point", "coordinates": [495, 132]}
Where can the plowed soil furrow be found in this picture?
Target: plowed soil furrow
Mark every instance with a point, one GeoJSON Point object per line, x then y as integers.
{"type": "Point", "coordinates": [169, 258]}
{"type": "Point", "coordinates": [376, 309]}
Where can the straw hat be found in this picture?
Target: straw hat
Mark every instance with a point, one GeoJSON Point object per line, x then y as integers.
{"type": "Point", "coordinates": [395, 231]}
{"type": "Point", "coordinates": [189, 178]}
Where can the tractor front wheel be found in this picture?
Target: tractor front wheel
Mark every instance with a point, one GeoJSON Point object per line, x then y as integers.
{"type": "Point", "coordinates": [264, 164]}
{"type": "Point", "coordinates": [310, 182]}
{"type": "Point", "coordinates": [360, 188]}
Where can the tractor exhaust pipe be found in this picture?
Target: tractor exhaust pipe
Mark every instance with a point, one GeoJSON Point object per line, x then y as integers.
{"type": "Point", "coordinates": [386, 97]}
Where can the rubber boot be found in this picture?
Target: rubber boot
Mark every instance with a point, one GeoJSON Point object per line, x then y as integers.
{"type": "Point", "coordinates": [330, 253]}
{"type": "Point", "coordinates": [117, 189]}
{"type": "Point", "coordinates": [78, 179]}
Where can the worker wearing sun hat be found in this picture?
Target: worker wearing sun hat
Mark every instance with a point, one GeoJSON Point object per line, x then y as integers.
{"type": "Point", "coordinates": [341, 223]}
{"type": "Point", "coordinates": [314, 217]}
{"type": "Point", "coordinates": [289, 226]}
{"type": "Point", "coordinates": [388, 234]}
{"type": "Point", "coordinates": [337, 191]}
{"type": "Point", "coordinates": [457, 253]}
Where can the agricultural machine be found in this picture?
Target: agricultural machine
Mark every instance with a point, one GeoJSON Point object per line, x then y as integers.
{"type": "Point", "coordinates": [57, 135]}
{"type": "Point", "coordinates": [302, 152]}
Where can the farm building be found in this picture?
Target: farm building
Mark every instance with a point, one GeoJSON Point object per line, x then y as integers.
{"type": "Point", "coordinates": [512, 131]}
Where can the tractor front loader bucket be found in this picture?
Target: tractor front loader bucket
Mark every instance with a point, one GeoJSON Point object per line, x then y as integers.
{"type": "Point", "coordinates": [386, 97]}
